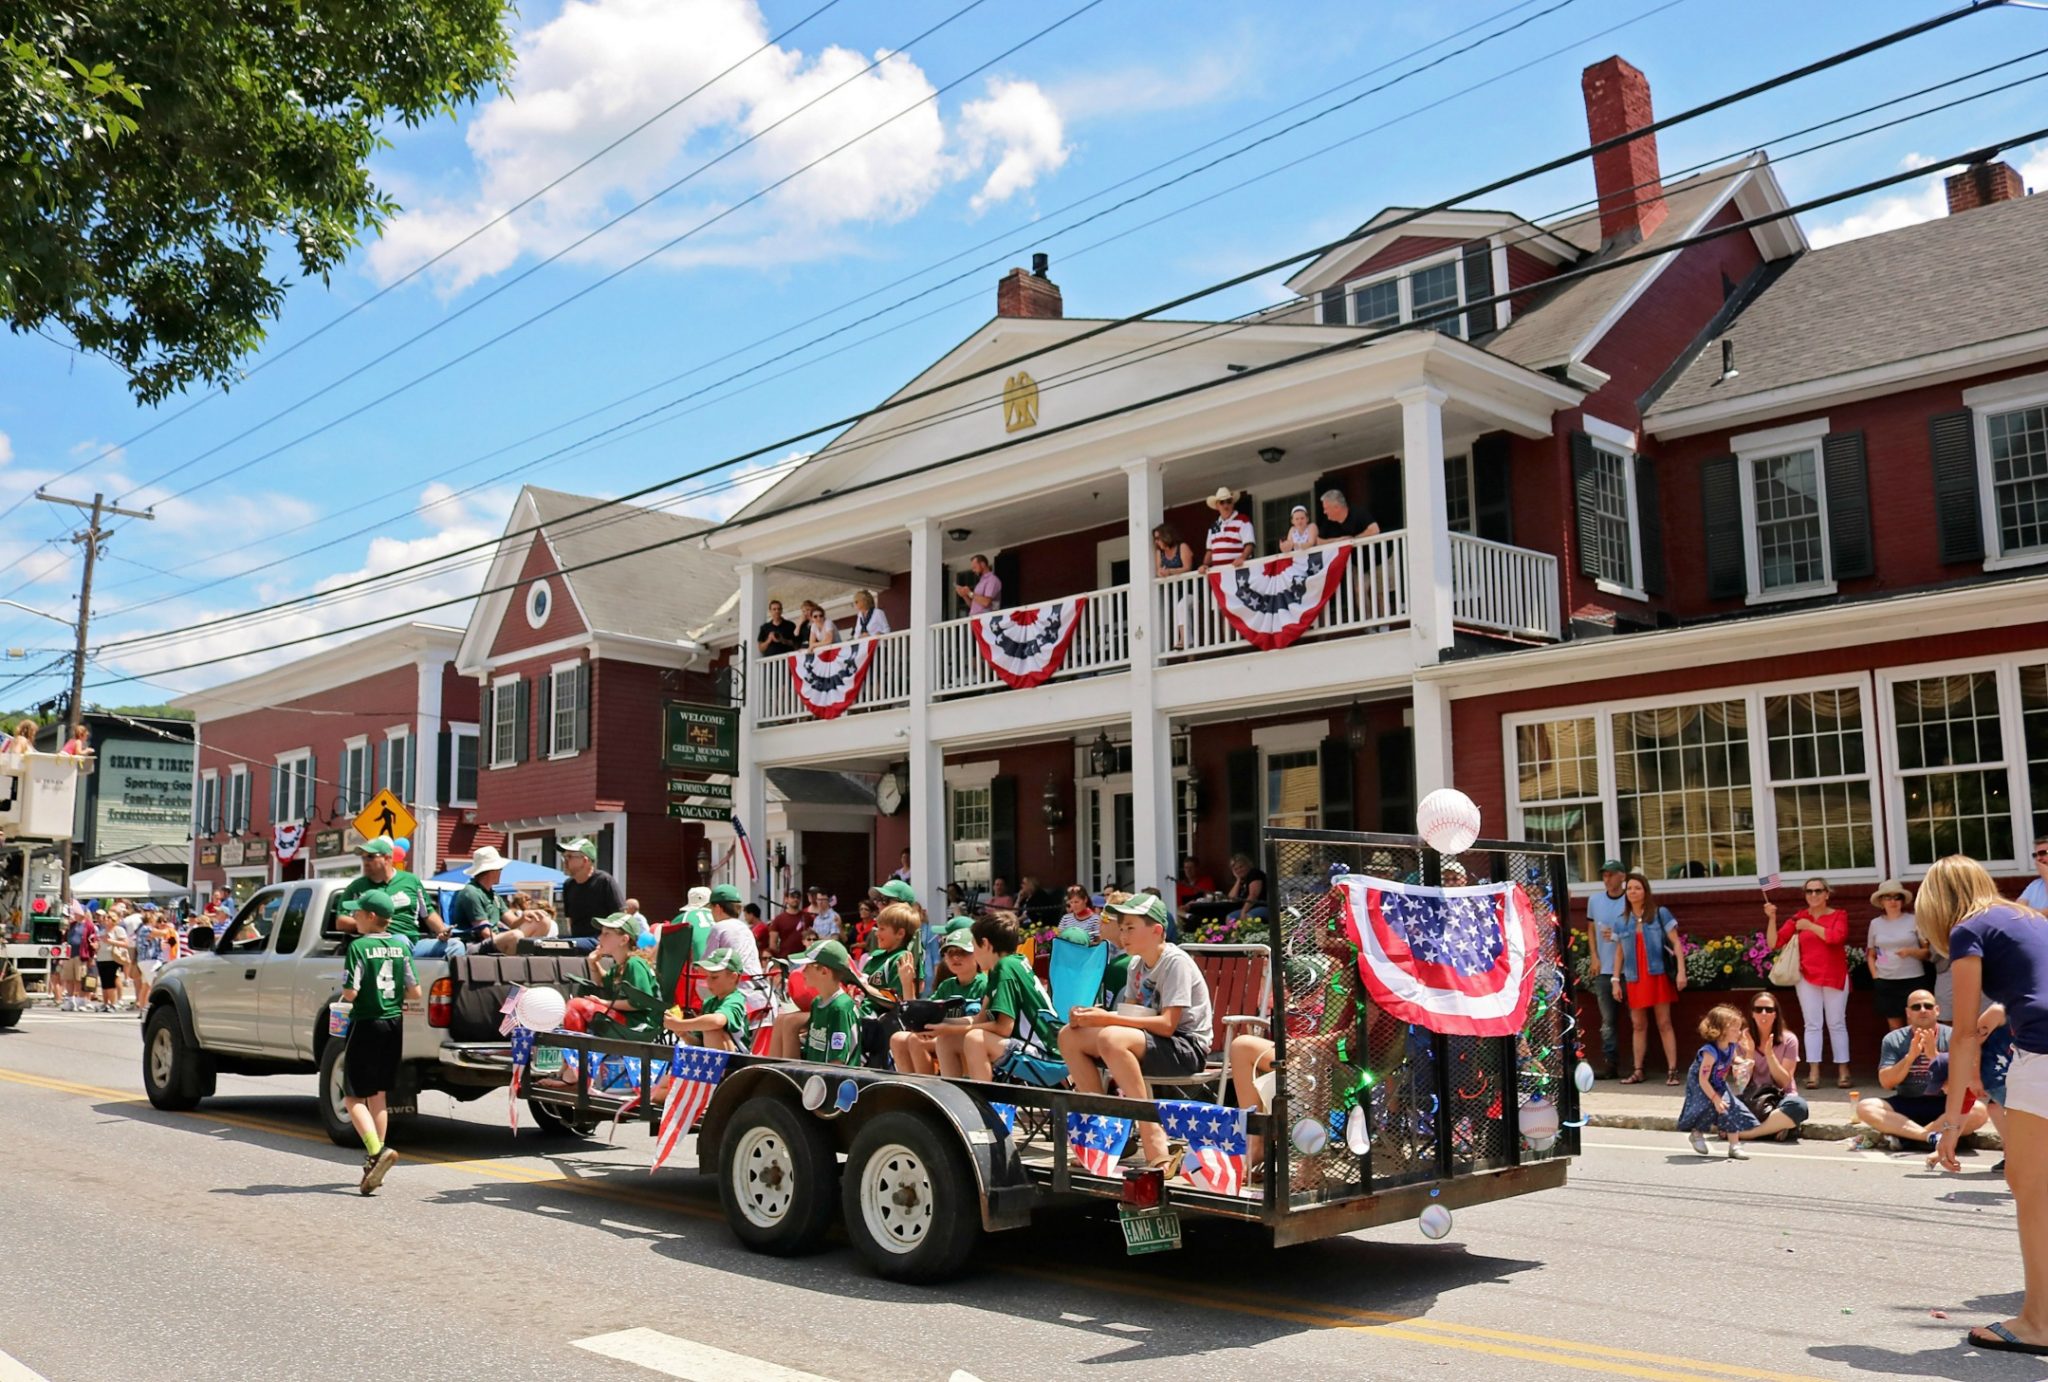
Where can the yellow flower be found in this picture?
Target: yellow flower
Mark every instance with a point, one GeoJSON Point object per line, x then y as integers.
{"type": "Point", "coordinates": [1727, 969]}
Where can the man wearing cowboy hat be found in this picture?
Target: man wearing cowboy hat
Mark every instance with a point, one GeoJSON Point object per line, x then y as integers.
{"type": "Point", "coordinates": [476, 911]}
{"type": "Point", "coordinates": [1230, 539]}
{"type": "Point", "coordinates": [987, 591]}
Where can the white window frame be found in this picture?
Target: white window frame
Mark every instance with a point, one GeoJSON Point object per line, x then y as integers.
{"type": "Point", "coordinates": [539, 594]}
{"type": "Point", "coordinates": [972, 777]}
{"type": "Point", "coordinates": [1763, 801]}
{"type": "Point", "coordinates": [357, 764]}
{"type": "Point", "coordinates": [1462, 462]}
{"type": "Point", "coordinates": [456, 734]}
{"type": "Point", "coordinates": [1302, 736]}
{"type": "Point", "coordinates": [504, 753]}
{"type": "Point", "coordinates": [398, 762]}
{"type": "Point", "coordinates": [240, 805]}
{"type": "Point", "coordinates": [205, 819]}
{"type": "Point", "coordinates": [1400, 275]}
{"type": "Point", "coordinates": [1780, 441]}
{"type": "Point", "coordinates": [560, 675]}
{"type": "Point", "coordinates": [299, 762]}
{"type": "Point", "coordinates": [2012, 731]}
{"type": "Point", "coordinates": [2006, 396]}
{"type": "Point", "coordinates": [1621, 442]}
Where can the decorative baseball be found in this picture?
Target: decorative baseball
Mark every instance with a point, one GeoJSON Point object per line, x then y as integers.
{"type": "Point", "coordinates": [1434, 1221]}
{"type": "Point", "coordinates": [1310, 1137]}
{"type": "Point", "coordinates": [1539, 1123]}
{"type": "Point", "coordinates": [1448, 820]}
{"type": "Point", "coordinates": [1358, 1132]}
{"type": "Point", "coordinates": [1582, 1076]}
{"type": "Point", "coordinates": [541, 1009]}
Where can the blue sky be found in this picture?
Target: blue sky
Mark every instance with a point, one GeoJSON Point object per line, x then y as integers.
{"type": "Point", "coordinates": [1120, 88]}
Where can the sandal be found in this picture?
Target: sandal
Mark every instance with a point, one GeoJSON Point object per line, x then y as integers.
{"type": "Point", "coordinates": [2002, 1340]}
{"type": "Point", "coordinates": [1176, 1152]}
{"type": "Point", "coordinates": [1636, 1078]}
{"type": "Point", "coordinates": [1813, 1076]}
{"type": "Point", "coordinates": [1842, 1078]}
{"type": "Point", "coordinates": [1672, 1077]}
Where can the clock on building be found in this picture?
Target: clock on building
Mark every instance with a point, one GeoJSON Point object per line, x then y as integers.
{"type": "Point", "coordinates": [889, 792]}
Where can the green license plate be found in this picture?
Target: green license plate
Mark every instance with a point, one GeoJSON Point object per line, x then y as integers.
{"type": "Point", "coordinates": [1149, 1230]}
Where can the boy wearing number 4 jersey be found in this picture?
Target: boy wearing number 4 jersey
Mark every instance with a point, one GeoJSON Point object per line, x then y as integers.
{"type": "Point", "coordinates": [379, 984]}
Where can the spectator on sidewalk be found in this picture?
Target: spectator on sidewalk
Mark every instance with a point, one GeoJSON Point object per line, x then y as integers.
{"type": "Point", "coordinates": [2035, 894]}
{"type": "Point", "coordinates": [1896, 954]}
{"type": "Point", "coordinates": [1767, 1071]}
{"type": "Point", "coordinates": [1603, 910]}
{"type": "Point", "coordinates": [1710, 1102]}
{"type": "Point", "coordinates": [79, 936]}
{"type": "Point", "coordinates": [1650, 974]}
{"type": "Point", "coordinates": [786, 931]}
{"type": "Point", "coordinates": [1913, 1067]}
{"type": "Point", "coordinates": [1823, 931]}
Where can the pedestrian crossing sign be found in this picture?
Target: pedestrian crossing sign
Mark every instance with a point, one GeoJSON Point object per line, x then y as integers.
{"type": "Point", "coordinates": [385, 815]}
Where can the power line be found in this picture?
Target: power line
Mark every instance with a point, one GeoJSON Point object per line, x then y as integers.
{"type": "Point", "coordinates": [1977, 155]}
{"type": "Point", "coordinates": [905, 399]}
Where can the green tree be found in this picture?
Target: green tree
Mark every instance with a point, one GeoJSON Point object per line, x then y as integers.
{"type": "Point", "coordinates": [154, 153]}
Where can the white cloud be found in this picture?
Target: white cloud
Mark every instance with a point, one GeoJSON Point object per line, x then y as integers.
{"type": "Point", "coordinates": [1919, 201]}
{"type": "Point", "coordinates": [1143, 90]}
{"type": "Point", "coordinates": [6, 449]}
{"type": "Point", "coordinates": [601, 67]}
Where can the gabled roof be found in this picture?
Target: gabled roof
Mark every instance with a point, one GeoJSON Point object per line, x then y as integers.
{"type": "Point", "coordinates": [1330, 268]}
{"type": "Point", "coordinates": [1944, 285]}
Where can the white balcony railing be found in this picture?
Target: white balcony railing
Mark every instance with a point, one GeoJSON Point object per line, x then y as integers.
{"type": "Point", "coordinates": [1101, 643]}
{"type": "Point", "coordinates": [1503, 589]}
{"type": "Point", "coordinates": [1372, 594]}
{"type": "Point", "coordinates": [773, 690]}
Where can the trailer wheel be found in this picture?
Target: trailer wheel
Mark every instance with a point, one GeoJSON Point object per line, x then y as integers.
{"type": "Point", "coordinates": [171, 1074]}
{"type": "Point", "coordinates": [10, 1016]}
{"type": "Point", "coordinates": [331, 1103]}
{"type": "Point", "coordinates": [777, 1174]}
{"type": "Point", "coordinates": [553, 1124]}
{"type": "Point", "coordinates": [909, 1198]}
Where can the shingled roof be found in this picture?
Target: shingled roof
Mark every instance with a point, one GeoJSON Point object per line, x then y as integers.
{"type": "Point", "coordinates": [1958, 281]}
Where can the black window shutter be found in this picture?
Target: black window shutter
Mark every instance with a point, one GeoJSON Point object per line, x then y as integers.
{"type": "Point", "coordinates": [1002, 828]}
{"type": "Point", "coordinates": [1650, 526]}
{"type": "Point", "coordinates": [312, 788]}
{"type": "Point", "coordinates": [1241, 799]}
{"type": "Point", "coordinates": [605, 860]}
{"type": "Point", "coordinates": [1383, 497]}
{"type": "Point", "coordinates": [1721, 508]}
{"type": "Point", "coordinates": [1396, 750]}
{"type": "Point", "coordinates": [582, 706]}
{"type": "Point", "coordinates": [1005, 567]}
{"type": "Point", "coordinates": [1492, 504]}
{"type": "Point", "coordinates": [1846, 475]}
{"type": "Point", "coordinates": [444, 768]}
{"type": "Point", "coordinates": [1479, 284]}
{"type": "Point", "coordinates": [522, 704]}
{"type": "Point", "coordinates": [1332, 313]}
{"type": "Point", "coordinates": [380, 774]}
{"type": "Point", "coordinates": [1586, 504]}
{"type": "Point", "coordinates": [487, 731]}
{"type": "Point", "coordinates": [1334, 761]}
{"type": "Point", "coordinates": [550, 852]}
{"type": "Point", "coordinates": [1958, 521]}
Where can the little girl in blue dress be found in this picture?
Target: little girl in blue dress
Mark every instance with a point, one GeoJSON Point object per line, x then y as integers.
{"type": "Point", "coordinates": [1708, 1101]}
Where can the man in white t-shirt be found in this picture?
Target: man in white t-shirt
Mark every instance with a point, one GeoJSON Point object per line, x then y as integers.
{"type": "Point", "coordinates": [2035, 894]}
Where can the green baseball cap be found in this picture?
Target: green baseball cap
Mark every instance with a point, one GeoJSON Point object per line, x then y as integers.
{"type": "Point", "coordinates": [724, 960]}
{"type": "Point", "coordinates": [584, 847]}
{"type": "Point", "coordinates": [1151, 906]}
{"type": "Point", "coordinates": [378, 901]}
{"type": "Point", "coordinates": [833, 956]}
{"type": "Point", "coordinates": [726, 893]}
{"type": "Point", "coordinates": [959, 938]}
{"type": "Point", "coordinates": [1613, 866]}
{"type": "Point", "coordinates": [623, 921]}
{"type": "Point", "coordinates": [381, 847]}
{"type": "Point", "coordinates": [895, 890]}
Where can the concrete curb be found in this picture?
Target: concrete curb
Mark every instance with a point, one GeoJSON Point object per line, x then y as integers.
{"type": "Point", "coordinates": [1815, 1131]}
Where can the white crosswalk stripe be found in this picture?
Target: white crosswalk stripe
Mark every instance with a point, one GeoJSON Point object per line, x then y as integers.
{"type": "Point", "coordinates": [692, 1362]}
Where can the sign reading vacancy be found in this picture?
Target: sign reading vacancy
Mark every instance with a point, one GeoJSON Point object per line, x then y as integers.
{"type": "Point", "coordinates": [700, 738]}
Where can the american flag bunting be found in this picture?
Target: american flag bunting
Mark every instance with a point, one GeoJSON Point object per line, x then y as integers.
{"type": "Point", "coordinates": [697, 1071]}
{"type": "Point", "coordinates": [522, 1057]}
{"type": "Point", "coordinates": [1097, 1141]}
{"type": "Point", "coordinates": [1216, 1143]}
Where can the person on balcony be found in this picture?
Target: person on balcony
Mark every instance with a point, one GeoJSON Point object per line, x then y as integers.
{"type": "Point", "coordinates": [1231, 538]}
{"type": "Point", "coordinates": [1301, 534]}
{"type": "Point", "coordinates": [820, 631]}
{"type": "Point", "coordinates": [986, 593]}
{"type": "Point", "coordinates": [868, 619]}
{"type": "Point", "coordinates": [777, 635]}
{"type": "Point", "coordinates": [1341, 521]}
{"type": "Point", "coordinates": [1172, 557]}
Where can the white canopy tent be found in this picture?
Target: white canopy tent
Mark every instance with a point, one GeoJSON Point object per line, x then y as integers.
{"type": "Point", "coordinates": [121, 880]}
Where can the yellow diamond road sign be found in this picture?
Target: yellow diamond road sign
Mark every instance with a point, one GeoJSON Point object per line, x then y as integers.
{"type": "Point", "coordinates": [386, 815]}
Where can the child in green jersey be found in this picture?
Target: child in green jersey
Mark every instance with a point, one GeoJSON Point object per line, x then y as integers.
{"type": "Point", "coordinates": [723, 1024]}
{"type": "Point", "coordinates": [916, 1052]}
{"type": "Point", "coordinates": [832, 1032]}
{"type": "Point", "coordinates": [379, 984]}
{"type": "Point", "coordinates": [888, 979]}
{"type": "Point", "coordinates": [1014, 1010]}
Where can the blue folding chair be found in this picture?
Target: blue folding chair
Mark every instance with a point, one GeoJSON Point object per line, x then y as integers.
{"type": "Point", "coordinates": [1076, 970]}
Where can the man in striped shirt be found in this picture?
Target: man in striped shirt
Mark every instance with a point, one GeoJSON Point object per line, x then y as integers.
{"type": "Point", "coordinates": [1230, 535]}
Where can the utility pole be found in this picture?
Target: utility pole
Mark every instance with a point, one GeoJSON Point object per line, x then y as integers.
{"type": "Point", "coordinates": [91, 537]}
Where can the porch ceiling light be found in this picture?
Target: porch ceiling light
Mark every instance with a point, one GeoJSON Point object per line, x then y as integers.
{"type": "Point", "coordinates": [1102, 755]}
{"type": "Point", "coordinates": [1354, 726]}
{"type": "Point", "coordinates": [1052, 805]}
{"type": "Point", "coordinates": [1271, 455]}
{"type": "Point", "coordinates": [959, 534]}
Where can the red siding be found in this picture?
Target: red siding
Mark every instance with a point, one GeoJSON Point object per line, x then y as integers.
{"type": "Point", "coordinates": [514, 633]}
{"type": "Point", "coordinates": [1405, 250]}
{"type": "Point", "coordinates": [1525, 270]}
{"type": "Point", "coordinates": [458, 696]}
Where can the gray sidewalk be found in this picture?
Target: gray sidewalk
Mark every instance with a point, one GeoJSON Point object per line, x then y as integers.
{"type": "Point", "coordinates": [1654, 1106]}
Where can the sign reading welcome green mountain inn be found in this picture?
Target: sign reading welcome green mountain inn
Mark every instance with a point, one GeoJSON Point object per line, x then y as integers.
{"type": "Point", "coordinates": [700, 738]}
{"type": "Point", "coordinates": [145, 794]}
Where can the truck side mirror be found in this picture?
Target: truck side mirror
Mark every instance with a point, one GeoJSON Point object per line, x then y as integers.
{"type": "Point", "coordinates": [199, 937]}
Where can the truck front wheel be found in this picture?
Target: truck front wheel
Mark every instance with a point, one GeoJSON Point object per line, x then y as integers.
{"type": "Point", "coordinates": [777, 1177]}
{"type": "Point", "coordinates": [909, 1198]}
{"type": "Point", "coordinates": [332, 1105]}
{"type": "Point", "coordinates": [171, 1074]}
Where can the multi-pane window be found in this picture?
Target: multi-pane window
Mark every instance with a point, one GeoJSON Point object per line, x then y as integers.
{"type": "Point", "coordinates": [505, 724]}
{"type": "Point", "coordinates": [462, 764]}
{"type": "Point", "coordinates": [1683, 806]}
{"type": "Point", "coordinates": [238, 799]}
{"type": "Point", "coordinates": [1954, 779]}
{"type": "Point", "coordinates": [562, 736]}
{"type": "Point", "coordinates": [1412, 295]}
{"type": "Point", "coordinates": [1789, 549]}
{"type": "Point", "coordinates": [2034, 729]}
{"type": "Point", "coordinates": [1458, 494]}
{"type": "Point", "coordinates": [1377, 304]}
{"type": "Point", "coordinates": [1557, 784]}
{"type": "Point", "coordinates": [1820, 781]}
{"type": "Point", "coordinates": [293, 789]}
{"type": "Point", "coordinates": [1613, 518]}
{"type": "Point", "coordinates": [1435, 289]}
{"type": "Point", "coordinates": [2019, 478]}
{"type": "Point", "coordinates": [973, 830]}
{"type": "Point", "coordinates": [1294, 790]}
{"type": "Point", "coordinates": [398, 764]}
{"type": "Point", "coordinates": [355, 776]}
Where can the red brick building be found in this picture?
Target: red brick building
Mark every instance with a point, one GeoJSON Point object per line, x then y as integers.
{"type": "Point", "coordinates": [307, 744]}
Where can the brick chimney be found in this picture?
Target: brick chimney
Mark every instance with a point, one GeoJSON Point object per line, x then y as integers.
{"type": "Point", "coordinates": [1022, 294]}
{"type": "Point", "coordinates": [1981, 184]}
{"type": "Point", "coordinates": [1627, 177]}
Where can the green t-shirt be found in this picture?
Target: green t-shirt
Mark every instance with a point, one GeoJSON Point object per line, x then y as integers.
{"type": "Point", "coordinates": [475, 910]}
{"type": "Point", "coordinates": [884, 970]}
{"type": "Point", "coordinates": [731, 1010]}
{"type": "Point", "coordinates": [638, 1024]}
{"type": "Point", "coordinates": [1014, 992]}
{"type": "Point", "coordinates": [406, 891]}
{"type": "Point", "coordinates": [1114, 976]}
{"type": "Point", "coordinates": [379, 969]}
{"type": "Point", "coordinates": [833, 1033]}
{"type": "Point", "coordinates": [974, 990]}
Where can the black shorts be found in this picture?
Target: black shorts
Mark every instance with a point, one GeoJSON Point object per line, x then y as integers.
{"type": "Point", "coordinates": [370, 1064]}
{"type": "Point", "coordinates": [110, 975]}
{"type": "Point", "coordinates": [1174, 1055]}
{"type": "Point", "coordinates": [1892, 994]}
{"type": "Point", "coordinates": [1920, 1108]}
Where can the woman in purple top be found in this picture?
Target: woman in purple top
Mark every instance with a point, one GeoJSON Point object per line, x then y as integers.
{"type": "Point", "coordinates": [1998, 949]}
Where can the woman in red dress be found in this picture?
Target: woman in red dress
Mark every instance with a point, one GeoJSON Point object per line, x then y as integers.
{"type": "Point", "coordinates": [1652, 972]}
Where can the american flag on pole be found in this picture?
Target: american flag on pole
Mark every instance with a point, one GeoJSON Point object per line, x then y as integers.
{"type": "Point", "coordinates": [522, 1057]}
{"type": "Point", "coordinates": [1768, 882]}
{"type": "Point", "coordinates": [697, 1070]}
{"type": "Point", "coordinates": [746, 848]}
{"type": "Point", "coordinates": [1461, 961]}
{"type": "Point", "coordinates": [1216, 1143]}
{"type": "Point", "coordinates": [1097, 1141]}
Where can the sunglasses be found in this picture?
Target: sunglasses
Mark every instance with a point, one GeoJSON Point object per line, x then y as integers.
{"type": "Point", "coordinates": [1920, 1007]}
{"type": "Point", "coordinates": [1764, 1008]}
{"type": "Point", "coordinates": [2041, 854]}
{"type": "Point", "coordinates": [1816, 892]}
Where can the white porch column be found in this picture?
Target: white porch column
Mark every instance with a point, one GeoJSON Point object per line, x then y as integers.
{"type": "Point", "coordinates": [1432, 717]}
{"type": "Point", "coordinates": [928, 863]}
{"type": "Point", "coordinates": [1429, 533]}
{"type": "Point", "coordinates": [1152, 812]}
{"type": "Point", "coordinates": [750, 783]}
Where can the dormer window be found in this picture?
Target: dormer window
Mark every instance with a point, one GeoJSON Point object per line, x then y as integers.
{"type": "Point", "coordinates": [1417, 292]}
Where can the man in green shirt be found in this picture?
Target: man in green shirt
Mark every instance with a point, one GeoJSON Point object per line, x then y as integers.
{"type": "Point", "coordinates": [378, 983]}
{"type": "Point", "coordinates": [832, 1033]}
{"type": "Point", "coordinates": [411, 911]}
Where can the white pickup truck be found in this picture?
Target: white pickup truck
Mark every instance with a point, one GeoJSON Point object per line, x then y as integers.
{"type": "Point", "coordinates": [255, 1002]}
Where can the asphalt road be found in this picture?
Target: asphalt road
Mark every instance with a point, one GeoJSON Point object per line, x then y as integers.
{"type": "Point", "coordinates": [230, 1243]}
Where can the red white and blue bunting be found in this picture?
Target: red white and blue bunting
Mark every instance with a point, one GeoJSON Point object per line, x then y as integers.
{"type": "Point", "coordinates": [828, 678]}
{"type": "Point", "coordinates": [1027, 646]}
{"type": "Point", "coordinates": [1273, 601]}
{"type": "Point", "coordinates": [1461, 961]}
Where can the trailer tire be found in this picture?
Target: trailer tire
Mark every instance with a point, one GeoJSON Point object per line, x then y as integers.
{"type": "Point", "coordinates": [10, 1016]}
{"type": "Point", "coordinates": [778, 1177]}
{"type": "Point", "coordinates": [910, 1199]}
{"type": "Point", "coordinates": [171, 1073]}
{"type": "Point", "coordinates": [552, 1124]}
{"type": "Point", "coordinates": [329, 1102]}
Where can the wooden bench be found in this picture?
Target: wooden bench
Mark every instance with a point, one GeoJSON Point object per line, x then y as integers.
{"type": "Point", "coordinates": [1240, 980]}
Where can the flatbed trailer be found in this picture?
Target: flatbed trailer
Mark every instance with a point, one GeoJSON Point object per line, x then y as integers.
{"type": "Point", "coordinates": [919, 1167]}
